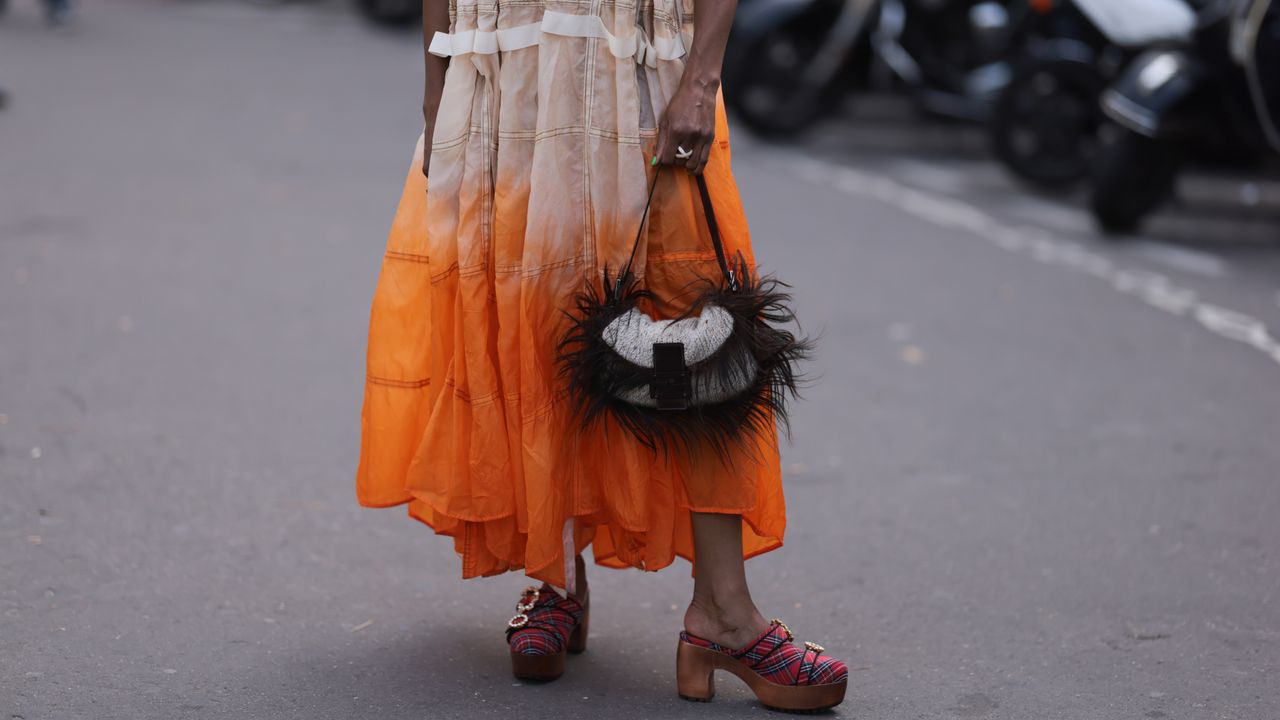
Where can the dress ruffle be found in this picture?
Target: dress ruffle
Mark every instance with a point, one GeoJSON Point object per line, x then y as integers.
{"type": "Point", "coordinates": [538, 181]}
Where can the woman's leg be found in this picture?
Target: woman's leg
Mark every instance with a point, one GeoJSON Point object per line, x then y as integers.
{"type": "Point", "coordinates": [721, 610]}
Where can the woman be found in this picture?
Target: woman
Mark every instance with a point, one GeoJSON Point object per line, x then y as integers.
{"type": "Point", "coordinates": [541, 117]}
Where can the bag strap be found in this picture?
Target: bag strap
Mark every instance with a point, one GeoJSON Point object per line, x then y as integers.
{"type": "Point", "coordinates": [714, 229]}
{"type": "Point", "coordinates": [716, 242]}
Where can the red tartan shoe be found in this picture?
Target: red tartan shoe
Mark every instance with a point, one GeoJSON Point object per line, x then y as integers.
{"type": "Point", "coordinates": [783, 676]}
{"type": "Point", "coordinates": [544, 627]}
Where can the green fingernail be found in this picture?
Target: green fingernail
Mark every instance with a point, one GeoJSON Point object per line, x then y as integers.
{"type": "Point", "coordinates": [654, 162]}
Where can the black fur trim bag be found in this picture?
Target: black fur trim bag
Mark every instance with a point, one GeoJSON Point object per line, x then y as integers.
{"type": "Point", "coordinates": [716, 375]}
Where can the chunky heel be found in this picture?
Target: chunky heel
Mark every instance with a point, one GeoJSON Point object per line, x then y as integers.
{"type": "Point", "coordinates": [578, 638]}
{"type": "Point", "coordinates": [540, 668]}
{"type": "Point", "coordinates": [695, 672]}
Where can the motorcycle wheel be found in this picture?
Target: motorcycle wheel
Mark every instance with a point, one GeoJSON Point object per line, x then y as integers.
{"type": "Point", "coordinates": [1134, 175]}
{"type": "Point", "coordinates": [392, 13]}
{"type": "Point", "coordinates": [1045, 122]}
{"type": "Point", "coordinates": [764, 92]}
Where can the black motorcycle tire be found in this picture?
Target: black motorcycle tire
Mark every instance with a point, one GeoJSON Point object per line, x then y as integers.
{"type": "Point", "coordinates": [1022, 107]}
{"type": "Point", "coordinates": [761, 87]}
{"type": "Point", "coordinates": [391, 13]}
{"type": "Point", "coordinates": [1134, 175]}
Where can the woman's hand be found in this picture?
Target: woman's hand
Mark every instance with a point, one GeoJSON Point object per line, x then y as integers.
{"type": "Point", "coordinates": [690, 118]}
{"type": "Point", "coordinates": [689, 124]}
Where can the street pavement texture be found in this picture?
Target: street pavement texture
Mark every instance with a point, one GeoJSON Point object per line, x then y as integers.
{"type": "Point", "coordinates": [1038, 477]}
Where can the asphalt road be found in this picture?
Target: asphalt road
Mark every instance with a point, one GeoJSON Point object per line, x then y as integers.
{"type": "Point", "coordinates": [1040, 477]}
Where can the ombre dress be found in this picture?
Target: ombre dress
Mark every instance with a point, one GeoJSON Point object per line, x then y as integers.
{"type": "Point", "coordinates": [538, 178]}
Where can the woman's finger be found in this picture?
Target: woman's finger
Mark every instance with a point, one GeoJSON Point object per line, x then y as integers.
{"type": "Point", "coordinates": [684, 148]}
{"type": "Point", "coordinates": [697, 152]}
{"type": "Point", "coordinates": [701, 158]}
{"type": "Point", "coordinates": [691, 161]}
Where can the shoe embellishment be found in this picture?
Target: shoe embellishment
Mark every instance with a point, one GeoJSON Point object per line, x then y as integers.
{"type": "Point", "coordinates": [526, 602]}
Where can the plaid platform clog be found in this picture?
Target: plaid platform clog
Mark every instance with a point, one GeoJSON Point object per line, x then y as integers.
{"type": "Point", "coordinates": [544, 628]}
{"type": "Point", "coordinates": [782, 675]}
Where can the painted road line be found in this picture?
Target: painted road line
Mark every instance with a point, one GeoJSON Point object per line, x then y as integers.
{"type": "Point", "coordinates": [1193, 262]}
{"type": "Point", "coordinates": [1043, 246]}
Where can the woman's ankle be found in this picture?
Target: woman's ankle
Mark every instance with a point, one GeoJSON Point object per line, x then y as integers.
{"type": "Point", "coordinates": [579, 592]}
{"type": "Point", "coordinates": [731, 621]}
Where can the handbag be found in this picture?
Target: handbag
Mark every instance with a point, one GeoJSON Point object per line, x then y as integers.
{"type": "Point", "coordinates": [718, 374]}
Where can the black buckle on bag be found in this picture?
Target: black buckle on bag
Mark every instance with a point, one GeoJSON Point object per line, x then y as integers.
{"type": "Point", "coordinates": [672, 384]}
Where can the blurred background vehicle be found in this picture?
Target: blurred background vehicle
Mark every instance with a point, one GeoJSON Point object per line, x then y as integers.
{"type": "Point", "coordinates": [1031, 69]}
{"type": "Point", "coordinates": [1212, 100]}
{"type": "Point", "coordinates": [951, 57]}
{"type": "Point", "coordinates": [1045, 122]}
{"type": "Point", "coordinates": [792, 61]}
{"type": "Point", "coordinates": [1034, 73]}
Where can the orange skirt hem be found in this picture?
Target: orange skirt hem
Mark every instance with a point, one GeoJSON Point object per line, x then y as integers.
{"type": "Point", "coordinates": [551, 573]}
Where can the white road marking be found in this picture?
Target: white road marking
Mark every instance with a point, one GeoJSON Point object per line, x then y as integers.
{"type": "Point", "coordinates": [933, 177]}
{"type": "Point", "coordinates": [1188, 261]}
{"type": "Point", "coordinates": [1042, 212]}
{"type": "Point", "coordinates": [1041, 245]}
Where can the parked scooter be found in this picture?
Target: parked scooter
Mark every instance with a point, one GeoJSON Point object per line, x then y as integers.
{"type": "Point", "coordinates": [791, 61]}
{"type": "Point", "coordinates": [1045, 122]}
{"type": "Point", "coordinates": [1216, 98]}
